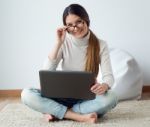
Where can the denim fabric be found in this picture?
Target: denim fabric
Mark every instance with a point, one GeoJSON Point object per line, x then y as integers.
{"type": "Point", "coordinates": [58, 106]}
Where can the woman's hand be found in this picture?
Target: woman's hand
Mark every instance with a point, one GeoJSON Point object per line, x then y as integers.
{"type": "Point", "coordinates": [61, 33]}
{"type": "Point", "coordinates": [99, 88]}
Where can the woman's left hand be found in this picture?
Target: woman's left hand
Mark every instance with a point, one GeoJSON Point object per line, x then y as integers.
{"type": "Point", "coordinates": [99, 88]}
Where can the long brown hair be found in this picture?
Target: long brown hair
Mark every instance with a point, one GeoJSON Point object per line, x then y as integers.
{"type": "Point", "coordinates": [92, 55]}
{"type": "Point", "coordinates": [93, 49]}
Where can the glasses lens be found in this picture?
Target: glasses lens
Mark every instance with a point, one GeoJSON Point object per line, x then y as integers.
{"type": "Point", "coordinates": [70, 28]}
{"type": "Point", "coordinates": [79, 24]}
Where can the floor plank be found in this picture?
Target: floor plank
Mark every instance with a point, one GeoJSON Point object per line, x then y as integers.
{"type": "Point", "coordinates": [145, 96]}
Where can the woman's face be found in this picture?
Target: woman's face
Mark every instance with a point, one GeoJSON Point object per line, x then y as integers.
{"type": "Point", "coordinates": [76, 26]}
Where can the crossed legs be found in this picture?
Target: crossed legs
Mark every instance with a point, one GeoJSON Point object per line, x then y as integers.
{"type": "Point", "coordinates": [85, 111]}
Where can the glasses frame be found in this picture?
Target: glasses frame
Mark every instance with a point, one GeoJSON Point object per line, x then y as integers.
{"type": "Point", "coordinates": [77, 25]}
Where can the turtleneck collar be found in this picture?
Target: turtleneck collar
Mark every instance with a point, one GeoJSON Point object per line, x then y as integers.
{"type": "Point", "coordinates": [80, 41]}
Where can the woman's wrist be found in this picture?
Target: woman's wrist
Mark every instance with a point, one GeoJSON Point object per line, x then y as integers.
{"type": "Point", "coordinates": [53, 54]}
{"type": "Point", "coordinates": [106, 86]}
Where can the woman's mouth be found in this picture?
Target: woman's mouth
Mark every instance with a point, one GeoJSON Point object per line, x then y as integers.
{"type": "Point", "coordinates": [78, 32]}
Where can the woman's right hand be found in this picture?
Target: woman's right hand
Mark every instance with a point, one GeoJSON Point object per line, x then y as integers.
{"type": "Point", "coordinates": [61, 33]}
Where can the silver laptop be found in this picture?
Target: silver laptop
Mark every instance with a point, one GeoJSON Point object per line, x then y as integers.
{"type": "Point", "coordinates": [66, 84]}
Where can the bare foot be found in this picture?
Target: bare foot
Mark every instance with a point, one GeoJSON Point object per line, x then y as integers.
{"type": "Point", "coordinates": [89, 118]}
{"type": "Point", "coordinates": [48, 117]}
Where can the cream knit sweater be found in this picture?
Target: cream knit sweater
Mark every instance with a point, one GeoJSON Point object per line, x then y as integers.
{"type": "Point", "coordinates": [72, 53]}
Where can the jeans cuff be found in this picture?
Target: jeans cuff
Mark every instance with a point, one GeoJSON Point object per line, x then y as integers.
{"type": "Point", "coordinates": [76, 108]}
{"type": "Point", "coordinates": [62, 112]}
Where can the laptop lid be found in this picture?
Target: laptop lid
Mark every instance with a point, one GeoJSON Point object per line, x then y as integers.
{"type": "Point", "coordinates": [66, 84]}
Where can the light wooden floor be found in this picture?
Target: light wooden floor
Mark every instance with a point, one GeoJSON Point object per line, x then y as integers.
{"type": "Point", "coordinates": [8, 100]}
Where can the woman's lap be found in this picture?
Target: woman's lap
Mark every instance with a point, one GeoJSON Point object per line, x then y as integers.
{"type": "Point", "coordinates": [101, 104]}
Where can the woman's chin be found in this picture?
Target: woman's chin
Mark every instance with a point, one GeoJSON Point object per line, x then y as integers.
{"type": "Point", "coordinates": [79, 35]}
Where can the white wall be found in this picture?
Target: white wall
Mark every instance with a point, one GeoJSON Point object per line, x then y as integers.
{"type": "Point", "coordinates": [27, 33]}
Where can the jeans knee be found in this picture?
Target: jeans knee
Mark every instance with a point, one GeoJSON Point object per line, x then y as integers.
{"type": "Point", "coordinates": [26, 94]}
{"type": "Point", "coordinates": [106, 102]}
{"type": "Point", "coordinates": [114, 99]}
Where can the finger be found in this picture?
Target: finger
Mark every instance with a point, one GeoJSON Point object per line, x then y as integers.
{"type": "Point", "coordinates": [59, 31]}
{"type": "Point", "coordinates": [65, 28]}
{"type": "Point", "coordinates": [94, 87]}
{"type": "Point", "coordinates": [102, 91]}
{"type": "Point", "coordinates": [98, 90]}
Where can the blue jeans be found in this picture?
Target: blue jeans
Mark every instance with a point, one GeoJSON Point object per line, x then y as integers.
{"type": "Point", "coordinates": [58, 107]}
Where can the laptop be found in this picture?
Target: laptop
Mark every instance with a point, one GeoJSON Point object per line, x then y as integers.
{"type": "Point", "coordinates": [66, 84]}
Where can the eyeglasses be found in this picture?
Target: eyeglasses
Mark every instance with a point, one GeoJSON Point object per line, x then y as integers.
{"type": "Point", "coordinates": [79, 24]}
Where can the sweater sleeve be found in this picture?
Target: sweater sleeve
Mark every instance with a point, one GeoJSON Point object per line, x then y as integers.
{"type": "Point", "coordinates": [106, 69]}
{"type": "Point", "coordinates": [52, 64]}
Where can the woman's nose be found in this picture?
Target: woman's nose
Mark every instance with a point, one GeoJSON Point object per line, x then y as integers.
{"type": "Point", "coordinates": [75, 28]}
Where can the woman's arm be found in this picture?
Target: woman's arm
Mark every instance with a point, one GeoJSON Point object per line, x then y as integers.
{"type": "Point", "coordinates": [106, 71]}
{"type": "Point", "coordinates": [61, 33]}
{"type": "Point", "coordinates": [55, 55]}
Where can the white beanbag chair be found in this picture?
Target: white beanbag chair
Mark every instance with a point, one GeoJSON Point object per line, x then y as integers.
{"type": "Point", "coordinates": [128, 76]}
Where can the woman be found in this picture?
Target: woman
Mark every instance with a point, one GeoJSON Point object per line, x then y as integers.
{"type": "Point", "coordinates": [80, 50]}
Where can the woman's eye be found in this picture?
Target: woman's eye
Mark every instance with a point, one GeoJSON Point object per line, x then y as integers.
{"type": "Point", "coordinates": [78, 22]}
{"type": "Point", "coordinates": [69, 25]}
